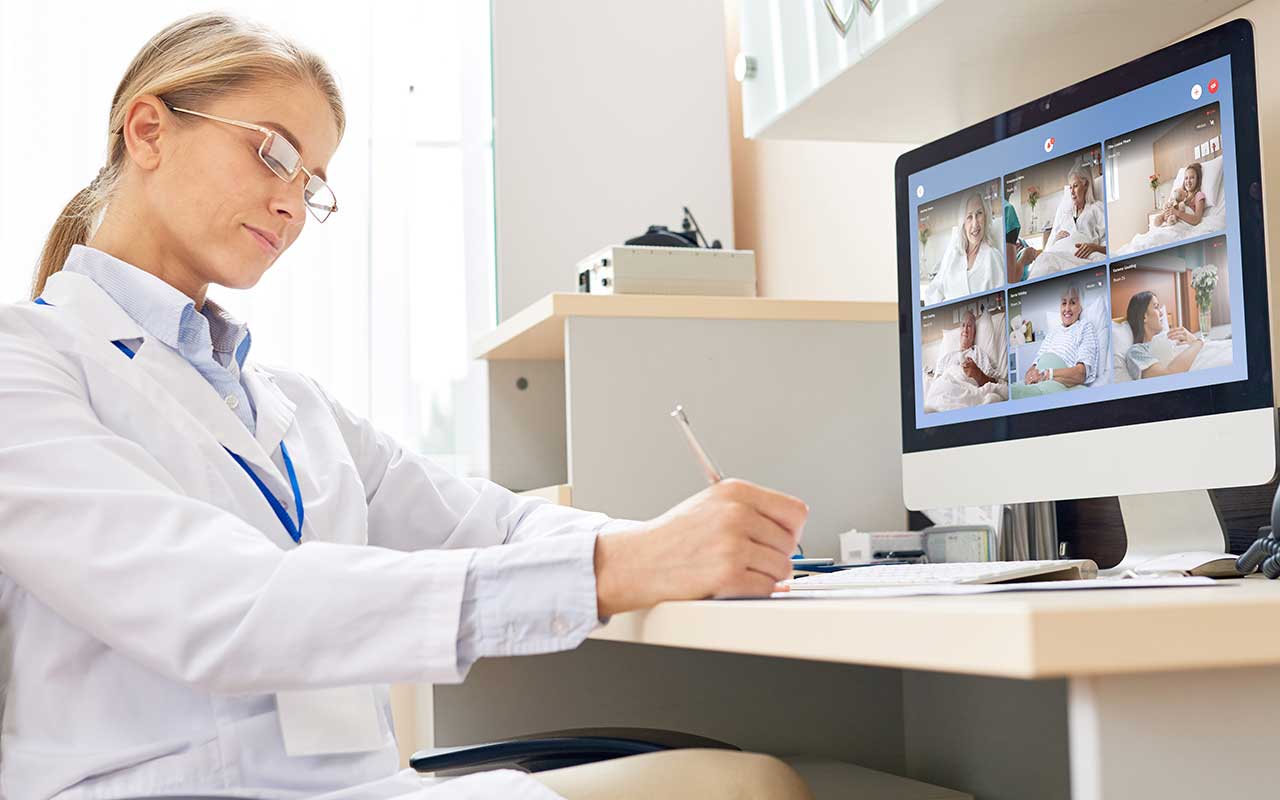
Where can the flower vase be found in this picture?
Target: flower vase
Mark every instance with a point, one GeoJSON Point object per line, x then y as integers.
{"type": "Point", "coordinates": [1204, 320]}
{"type": "Point", "coordinates": [1155, 200]}
{"type": "Point", "coordinates": [1035, 223]}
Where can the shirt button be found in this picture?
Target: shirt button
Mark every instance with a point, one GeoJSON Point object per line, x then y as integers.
{"type": "Point", "coordinates": [233, 402]}
{"type": "Point", "coordinates": [559, 626]}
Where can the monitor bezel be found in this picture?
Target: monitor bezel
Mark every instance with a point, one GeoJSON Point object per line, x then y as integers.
{"type": "Point", "coordinates": [1234, 39]}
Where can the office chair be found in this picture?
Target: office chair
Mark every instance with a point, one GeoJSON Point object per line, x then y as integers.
{"type": "Point", "coordinates": [557, 749]}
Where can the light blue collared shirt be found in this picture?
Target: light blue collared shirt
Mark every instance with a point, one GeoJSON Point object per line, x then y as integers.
{"type": "Point", "coordinates": [500, 614]}
{"type": "Point", "coordinates": [211, 340]}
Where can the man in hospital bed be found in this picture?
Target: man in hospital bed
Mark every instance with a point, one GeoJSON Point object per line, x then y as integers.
{"type": "Point", "coordinates": [966, 376]}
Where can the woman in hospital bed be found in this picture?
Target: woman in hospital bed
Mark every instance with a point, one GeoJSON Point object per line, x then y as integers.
{"type": "Point", "coordinates": [1079, 228]}
{"type": "Point", "coordinates": [973, 261]}
{"type": "Point", "coordinates": [1068, 357]}
{"type": "Point", "coordinates": [967, 373]}
{"type": "Point", "coordinates": [1155, 347]}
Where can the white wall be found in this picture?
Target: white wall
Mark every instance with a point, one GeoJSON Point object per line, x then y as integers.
{"type": "Point", "coordinates": [1128, 213]}
{"type": "Point", "coordinates": [609, 116]}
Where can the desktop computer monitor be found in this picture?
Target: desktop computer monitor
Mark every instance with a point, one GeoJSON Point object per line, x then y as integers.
{"type": "Point", "coordinates": [1083, 298]}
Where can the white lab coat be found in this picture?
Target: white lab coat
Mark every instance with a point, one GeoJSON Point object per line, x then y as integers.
{"type": "Point", "coordinates": [152, 602]}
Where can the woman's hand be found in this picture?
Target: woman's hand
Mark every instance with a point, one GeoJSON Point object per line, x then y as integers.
{"type": "Point", "coordinates": [1086, 249]}
{"type": "Point", "coordinates": [731, 539]}
{"type": "Point", "coordinates": [1034, 375]}
{"type": "Point", "coordinates": [1182, 335]}
{"type": "Point", "coordinates": [1061, 235]}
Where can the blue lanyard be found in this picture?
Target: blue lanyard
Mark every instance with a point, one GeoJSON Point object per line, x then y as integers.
{"type": "Point", "coordinates": [295, 532]}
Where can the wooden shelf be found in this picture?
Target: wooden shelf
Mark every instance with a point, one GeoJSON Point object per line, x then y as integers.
{"type": "Point", "coordinates": [537, 332]}
{"type": "Point", "coordinates": [1028, 635]}
{"type": "Point", "coordinates": [906, 86]}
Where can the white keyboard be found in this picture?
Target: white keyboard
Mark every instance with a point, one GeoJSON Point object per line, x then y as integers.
{"type": "Point", "coordinates": [926, 574]}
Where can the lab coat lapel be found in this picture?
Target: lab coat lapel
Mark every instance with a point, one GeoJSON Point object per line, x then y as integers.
{"type": "Point", "coordinates": [275, 411]}
{"type": "Point", "coordinates": [158, 372]}
{"type": "Point", "coordinates": [194, 393]}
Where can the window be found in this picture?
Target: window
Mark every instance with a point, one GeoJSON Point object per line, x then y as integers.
{"type": "Point", "coordinates": [380, 303]}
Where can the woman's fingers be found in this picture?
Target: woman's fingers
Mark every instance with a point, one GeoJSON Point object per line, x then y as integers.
{"type": "Point", "coordinates": [769, 562]}
{"type": "Point", "coordinates": [788, 512]}
{"type": "Point", "coordinates": [766, 532]}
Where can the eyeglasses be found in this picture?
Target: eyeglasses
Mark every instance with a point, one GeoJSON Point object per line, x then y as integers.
{"type": "Point", "coordinates": [282, 158]}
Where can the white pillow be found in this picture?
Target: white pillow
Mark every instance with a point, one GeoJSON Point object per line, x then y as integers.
{"type": "Point", "coordinates": [1211, 180]}
{"type": "Point", "coordinates": [1121, 341]}
{"type": "Point", "coordinates": [1000, 342]}
{"type": "Point", "coordinates": [1096, 314]}
{"type": "Point", "coordinates": [1121, 338]}
{"type": "Point", "coordinates": [989, 340]}
{"type": "Point", "coordinates": [951, 339]}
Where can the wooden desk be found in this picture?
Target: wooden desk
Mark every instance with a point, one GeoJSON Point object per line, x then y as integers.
{"type": "Point", "coordinates": [1153, 693]}
{"type": "Point", "coordinates": [1021, 635]}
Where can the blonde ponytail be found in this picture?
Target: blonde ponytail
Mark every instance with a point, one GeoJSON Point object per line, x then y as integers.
{"type": "Point", "coordinates": [190, 63]}
{"type": "Point", "coordinates": [74, 225]}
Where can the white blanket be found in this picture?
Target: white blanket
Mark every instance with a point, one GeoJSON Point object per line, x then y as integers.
{"type": "Point", "coordinates": [953, 389]}
{"type": "Point", "coordinates": [1216, 353]}
{"type": "Point", "coordinates": [1213, 354]}
{"type": "Point", "coordinates": [1214, 219]}
{"type": "Point", "coordinates": [1060, 253]}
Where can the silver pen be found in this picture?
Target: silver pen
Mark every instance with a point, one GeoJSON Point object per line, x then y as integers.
{"type": "Point", "coordinates": [708, 466]}
{"type": "Point", "coordinates": [713, 473]}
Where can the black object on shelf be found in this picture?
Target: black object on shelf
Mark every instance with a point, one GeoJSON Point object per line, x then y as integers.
{"type": "Point", "coordinates": [690, 235]}
{"type": "Point", "coordinates": [557, 749]}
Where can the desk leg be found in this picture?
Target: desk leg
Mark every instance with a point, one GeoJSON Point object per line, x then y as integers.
{"type": "Point", "coordinates": [1174, 735]}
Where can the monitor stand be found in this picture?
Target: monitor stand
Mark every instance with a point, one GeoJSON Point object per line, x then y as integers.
{"type": "Point", "coordinates": [1170, 522]}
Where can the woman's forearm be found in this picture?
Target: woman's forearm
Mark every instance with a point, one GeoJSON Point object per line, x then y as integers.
{"type": "Point", "coordinates": [1186, 358]}
{"type": "Point", "coordinates": [1071, 376]}
{"type": "Point", "coordinates": [1189, 217]}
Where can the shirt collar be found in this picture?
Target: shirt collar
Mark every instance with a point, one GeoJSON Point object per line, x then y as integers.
{"type": "Point", "coordinates": [160, 309]}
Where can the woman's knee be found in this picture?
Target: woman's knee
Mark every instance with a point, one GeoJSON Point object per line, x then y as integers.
{"type": "Point", "coordinates": [675, 774]}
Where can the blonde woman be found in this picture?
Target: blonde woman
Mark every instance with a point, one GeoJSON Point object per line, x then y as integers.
{"type": "Point", "coordinates": [973, 261]}
{"type": "Point", "coordinates": [209, 570]}
{"type": "Point", "coordinates": [1079, 233]}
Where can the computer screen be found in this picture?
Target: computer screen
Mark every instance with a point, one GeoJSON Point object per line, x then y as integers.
{"type": "Point", "coordinates": [1093, 258]}
{"type": "Point", "coordinates": [1083, 289]}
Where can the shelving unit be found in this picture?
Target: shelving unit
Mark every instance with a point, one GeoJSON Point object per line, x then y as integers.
{"type": "Point", "coordinates": [581, 387]}
{"type": "Point", "coordinates": [916, 71]}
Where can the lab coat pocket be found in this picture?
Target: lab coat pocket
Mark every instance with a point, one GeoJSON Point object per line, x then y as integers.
{"type": "Point", "coordinates": [344, 719]}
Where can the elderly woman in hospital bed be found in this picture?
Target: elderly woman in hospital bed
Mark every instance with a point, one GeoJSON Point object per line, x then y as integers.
{"type": "Point", "coordinates": [971, 361]}
{"type": "Point", "coordinates": [973, 261]}
{"type": "Point", "coordinates": [1069, 355]}
{"type": "Point", "coordinates": [1079, 228]}
{"type": "Point", "coordinates": [968, 372]}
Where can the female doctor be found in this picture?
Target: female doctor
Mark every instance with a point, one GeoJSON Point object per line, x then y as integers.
{"type": "Point", "coordinates": [207, 564]}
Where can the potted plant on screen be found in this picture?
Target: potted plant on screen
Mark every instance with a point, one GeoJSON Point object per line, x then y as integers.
{"type": "Point", "coordinates": [1033, 197]}
{"type": "Point", "coordinates": [1203, 281]}
{"type": "Point", "coordinates": [1155, 197]}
